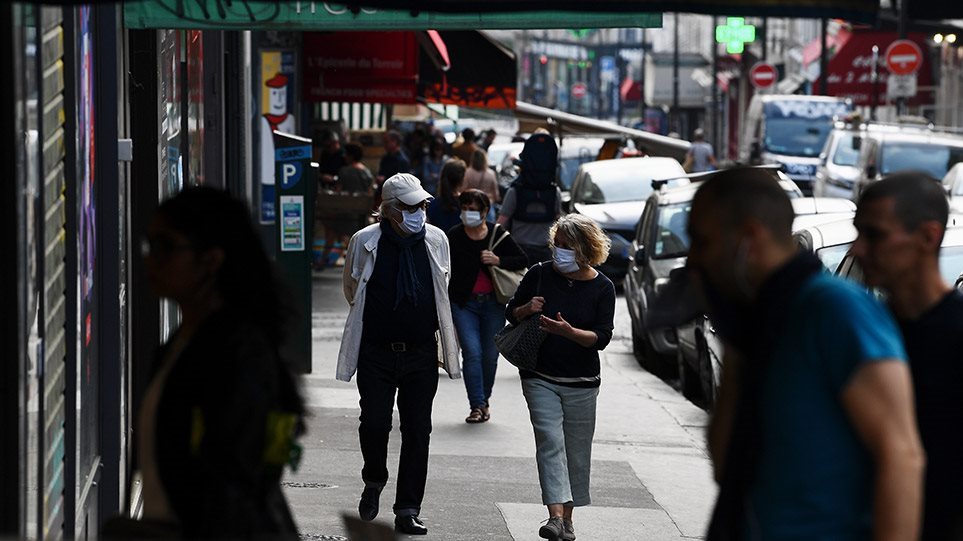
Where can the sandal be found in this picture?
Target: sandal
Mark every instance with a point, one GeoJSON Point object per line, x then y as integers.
{"type": "Point", "coordinates": [476, 416]}
{"type": "Point", "coordinates": [486, 415]}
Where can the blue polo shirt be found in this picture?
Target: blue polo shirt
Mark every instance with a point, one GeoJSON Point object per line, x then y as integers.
{"type": "Point", "coordinates": [815, 478]}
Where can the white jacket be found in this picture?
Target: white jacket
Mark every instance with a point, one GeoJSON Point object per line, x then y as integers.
{"type": "Point", "coordinates": [359, 264]}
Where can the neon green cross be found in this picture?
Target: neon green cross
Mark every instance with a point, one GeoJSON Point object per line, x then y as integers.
{"type": "Point", "coordinates": [735, 34]}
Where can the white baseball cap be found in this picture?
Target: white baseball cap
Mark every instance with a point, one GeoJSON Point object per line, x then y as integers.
{"type": "Point", "coordinates": [405, 188]}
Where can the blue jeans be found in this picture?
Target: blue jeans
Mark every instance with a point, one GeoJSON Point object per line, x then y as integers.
{"type": "Point", "coordinates": [476, 323]}
{"type": "Point", "coordinates": [564, 423]}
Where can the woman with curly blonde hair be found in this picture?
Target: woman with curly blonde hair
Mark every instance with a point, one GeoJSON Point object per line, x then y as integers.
{"type": "Point", "coordinates": [575, 305]}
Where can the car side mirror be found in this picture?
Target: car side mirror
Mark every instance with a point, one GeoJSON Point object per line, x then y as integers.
{"type": "Point", "coordinates": [871, 171]}
{"type": "Point", "coordinates": [640, 256]}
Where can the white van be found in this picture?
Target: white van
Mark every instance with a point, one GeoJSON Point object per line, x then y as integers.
{"type": "Point", "coordinates": [790, 130]}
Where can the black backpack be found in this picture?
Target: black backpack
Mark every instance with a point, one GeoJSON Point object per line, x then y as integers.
{"type": "Point", "coordinates": [535, 189]}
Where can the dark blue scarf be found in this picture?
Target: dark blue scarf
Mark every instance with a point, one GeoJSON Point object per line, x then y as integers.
{"type": "Point", "coordinates": [408, 286]}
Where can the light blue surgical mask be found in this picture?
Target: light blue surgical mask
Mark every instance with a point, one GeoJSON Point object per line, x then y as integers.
{"type": "Point", "coordinates": [471, 218]}
{"type": "Point", "coordinates": [565, 260]}
{"type": "Point", "coordinates": [413, 220]}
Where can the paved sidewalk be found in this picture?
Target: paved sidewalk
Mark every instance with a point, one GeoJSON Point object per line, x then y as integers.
{"type": "Point", "coordinates": [651, 477]}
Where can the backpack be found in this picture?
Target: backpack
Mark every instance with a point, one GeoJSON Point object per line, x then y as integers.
{"type": "Point", "coordinates": [535, 189]}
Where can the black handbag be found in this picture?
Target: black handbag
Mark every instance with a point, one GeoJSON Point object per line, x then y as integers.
{"type": "Point", "coordinates": [520, 343]}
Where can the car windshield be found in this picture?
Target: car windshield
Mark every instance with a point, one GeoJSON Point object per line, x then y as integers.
{"type": "Point", "coordinates": [796, 136]}
{"type": "Point", "coordinates": [567, 167]}
{"type": "Point", "coordinates": [845, 154]}
{"type": "Point", "coordinates": [951, 263]}
{"type": "Point", "coordinates": [671, 237]}
{"type": "Point", "coordinates": [832, 256]}
{"type": "Point", "coordinates": [621, 184]}
{"type": "Point", "coordinates": [932, 158]}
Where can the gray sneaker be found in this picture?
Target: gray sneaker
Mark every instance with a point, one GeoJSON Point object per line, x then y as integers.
{"type": "Point", "coordinates": [553, 529]}
{"type": "Point", "coordinates": [569, 533]}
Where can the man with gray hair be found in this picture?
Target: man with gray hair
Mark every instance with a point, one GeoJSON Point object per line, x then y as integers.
{"type": "Point", "coordinates": [396, 276]}
{"type": "Point", "coordinates": [814, 435]}
{"type": "Point", "coordinates": [901, 221]}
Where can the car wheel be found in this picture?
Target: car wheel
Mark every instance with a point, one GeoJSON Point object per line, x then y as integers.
{"type": "Point", "coordinates": [707, 380]}
{"type": "Point", "coordinates": [639, 346]}
{"type": "Point", "coordinates": [688, 379]}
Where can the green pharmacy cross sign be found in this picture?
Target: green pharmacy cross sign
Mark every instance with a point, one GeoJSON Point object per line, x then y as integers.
{"type": "Point", "coordinates": [735, 34]}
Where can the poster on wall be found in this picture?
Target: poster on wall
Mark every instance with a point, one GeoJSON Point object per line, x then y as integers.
{"type": "Point", "coordinates": [277, 112]}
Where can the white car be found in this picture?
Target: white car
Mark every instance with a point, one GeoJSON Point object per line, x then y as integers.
{"type": "Point", "coordinates": [953, 183]}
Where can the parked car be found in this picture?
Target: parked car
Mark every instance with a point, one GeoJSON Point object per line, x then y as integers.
{"type": "Point", "coordinates": [951, 259]}
{"type": "Point", "coordinates": [613, 193]}
{"type": "Point", "coordinates": [838, 167]}
{"type": "Point", "coordinates": [884, 153]}
{"type": "Point", "coordinates": [497, 153]}
{"type": "Point", "coordinates": [821, 222]}
{"type": "Point", "coordinates": [953, 183]}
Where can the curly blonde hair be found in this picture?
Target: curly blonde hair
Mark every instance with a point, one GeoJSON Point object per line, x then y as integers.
{"type": "Point", "coordinates": [586, 238]}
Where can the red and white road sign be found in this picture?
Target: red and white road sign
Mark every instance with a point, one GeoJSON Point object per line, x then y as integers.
{"type": "Point", "coordinates": [763, 75]}
{"type": "Point", "coordinates": [903, 57]}
{"type": "Point", "coordinates": [579, 90]}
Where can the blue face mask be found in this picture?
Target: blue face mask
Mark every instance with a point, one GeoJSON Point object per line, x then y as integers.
{"type": "Point", "coordinates": [565, 260]}
{"type": "Point", "coordinates": [471, 218]}
{"type": "Point", "coordinates": [414, 220]}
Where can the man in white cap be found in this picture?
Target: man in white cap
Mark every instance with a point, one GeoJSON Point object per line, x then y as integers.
{"type": "Point", "coordinates": [396, 280]}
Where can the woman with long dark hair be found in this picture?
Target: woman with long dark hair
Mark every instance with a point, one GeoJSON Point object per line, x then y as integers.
{"type": "Point", "coordinates": [444, 211]}
{"type": "Point", "coordinates": [219, 418]}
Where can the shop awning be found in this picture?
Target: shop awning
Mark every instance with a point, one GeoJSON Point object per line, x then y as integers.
{"type": "Point", "coordinates": [308, 15]}
{"type": "Point", "coordinates": [482, 72]}
{"type": "Point", "coordinates": [853, 10]}
{"type": "Point", "coordinates": [531, 117]}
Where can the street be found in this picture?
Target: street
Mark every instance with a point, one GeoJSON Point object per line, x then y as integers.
{"type": "Point", "coordinates": [651, 474]}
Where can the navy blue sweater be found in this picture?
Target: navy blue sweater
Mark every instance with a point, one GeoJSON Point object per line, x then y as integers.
{"type": "Point", "coordinates": [586, 304]}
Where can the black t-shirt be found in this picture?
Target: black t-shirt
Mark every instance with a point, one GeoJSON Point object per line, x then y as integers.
{"type": "Point", "coordinates": [586, 304]}
{"type": "Point", "coordinates": [383, 323]}
{"type": "Point", "coordinates": [934, 343]}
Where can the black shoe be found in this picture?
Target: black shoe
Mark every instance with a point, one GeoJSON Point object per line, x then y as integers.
{"type": "Point", "coordinates": [410, 525]}
{"type": "Point", "coordinates": [368, 506]}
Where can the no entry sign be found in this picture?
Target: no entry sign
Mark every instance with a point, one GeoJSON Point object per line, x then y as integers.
{"type": "Point", "coordinates": [579, 90]}
{"type": "Point", "coordinates": [763, 75]}
{"type": "Point", "coordinates": [903, 57]}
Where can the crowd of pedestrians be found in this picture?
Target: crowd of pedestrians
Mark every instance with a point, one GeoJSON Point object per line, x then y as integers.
{"type": "Point", "coordinates": [838, 416]}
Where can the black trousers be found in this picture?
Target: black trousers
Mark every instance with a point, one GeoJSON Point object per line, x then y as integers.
{"type": "Point", "coordinates": [414, 374]}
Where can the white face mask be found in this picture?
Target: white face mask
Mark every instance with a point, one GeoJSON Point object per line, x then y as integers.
{"type": "Point", "coordinates": [414, 220]}
{"type": "Point", "coordinates": [471, 218]}
{"type": "Point", "coordinates": [565, 260]}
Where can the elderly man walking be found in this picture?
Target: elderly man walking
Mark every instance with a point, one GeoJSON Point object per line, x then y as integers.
{"type": "Point", "coordinates": [814, 433]}
{"type": "Point", "coordinates": [396, 280]}
{"type": "Point", "coordinates": [901, 221]}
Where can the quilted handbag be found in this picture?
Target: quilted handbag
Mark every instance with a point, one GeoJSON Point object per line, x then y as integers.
{"type": "Point", "coordinates": [504, 281]}
{"type": "Point", "coordinates": [520, 343]}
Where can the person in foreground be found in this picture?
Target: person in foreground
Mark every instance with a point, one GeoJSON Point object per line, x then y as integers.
{"type": "Point", "coordinates": [814, 433]}
{"type": "Point", "coordinates": [575, 305]}
{"type": "Point", "coordinates": [396, 281]}
{"type": "Point", "coordinates": [219, 417]}
{"type": "Point", "coordinates": [476, 247]}
{"type": "Point", "coordinates": [901, 221]}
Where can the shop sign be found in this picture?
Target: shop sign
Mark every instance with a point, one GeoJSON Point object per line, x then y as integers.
{"type": "Point", "coordinates": [365, 67]}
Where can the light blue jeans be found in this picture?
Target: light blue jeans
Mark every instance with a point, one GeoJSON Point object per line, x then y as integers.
{"type": "Point", "coordinates": [564, 423]}
{"type": "Point", "coordinates": [476, 323]}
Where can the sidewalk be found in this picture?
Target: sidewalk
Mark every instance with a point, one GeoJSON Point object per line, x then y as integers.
{"type": "Point", "coordinates": [651, 477]}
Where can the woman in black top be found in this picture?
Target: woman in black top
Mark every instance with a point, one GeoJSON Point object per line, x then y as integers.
{"type": "Point", "coordinates": [476, 312]}
{"type": "Point", "coordinates": [218, 420]}
{"type": "Point", "coordinates": [575, 305]}
{"type": "Point", "coordinates": [444, 211]}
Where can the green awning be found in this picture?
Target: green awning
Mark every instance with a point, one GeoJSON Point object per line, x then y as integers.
{"type": "Point", "coordinates": [306, 15]}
